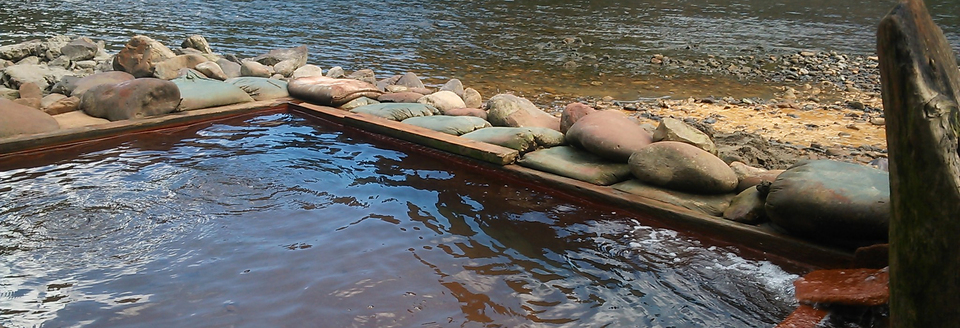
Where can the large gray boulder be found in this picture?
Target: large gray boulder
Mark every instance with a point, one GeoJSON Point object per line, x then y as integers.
{"type": "Point", "coordinates": [140, 56]}
{"type": "Point", "coordinates": [131, 99]}
{"type": "Point", "coordinates": [609, 134]}
{"type": "Point", "coordinates": [512, 111]}
{"type": "Point", "coordinates": [80, 49]}
{"type": "Point", "coordinates": [683, 167]}
{"type": "Point", "coordinates": [830, 199]}
{"type": "Point", "coordinates": [19, 120]}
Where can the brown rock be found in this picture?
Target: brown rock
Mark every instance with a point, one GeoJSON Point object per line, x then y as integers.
{"type": "Point", "coordinates": [90, 81]}
{"type": "Point", "coordinates": [48, 100]}
{"type": "Point", "coordinates": [131, 99]}
{"type": "Point", "coordinates": [512, 111]}
{"type": "Point", "coordinates": [804, 316]}
{"type": "Point", "coordinates": [170, 68]}
{"type": "Point", "coordinates": [64, 105]}
{"type": "Point", "coordinates": [29, 102]}
{"type": "Point", "coordinates": [854, 287]}
{"type": "Point", "coordinates": [400, 97]}
{"type": "Point", "coordinates": [197, 42]}
{"type": "Point", "coordinates": [140, 55]}
{"type": "Point", "coordinates": [19, 120]}
{"type": "Point", "coordinates": [472, 98]}
{"type": "Point", "coordinates": [681, 166]}
{"type": "Point", "coordinates": [255, 69]}
{"type": "Point", "coordinates": [443, 100]}
{"type": "Point", "coordinates": [211, 70]}
{"type": "Point", "coordinates": [572, 113]}
{"type": "Point", "coordinates": [609, 134]}
{"type": "Point", "coordinates": [672, 129]}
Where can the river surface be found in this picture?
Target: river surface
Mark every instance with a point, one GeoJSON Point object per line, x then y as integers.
{"type": "Point", "coordinates": [274, 222]}
{"type": "Point", "coordinates": [494, 46]}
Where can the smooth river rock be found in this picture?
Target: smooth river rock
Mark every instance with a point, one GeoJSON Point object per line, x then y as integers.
{"type": "Point", "coordinates": [672, 129]}
{"type": "Point", "coordinates": [609, 134]}
{"type": "Point", "coordinates": [169, 69]}
{"type": "Point", "coordinates": [472, 98]}
{"type": "Point", "coordinates": [20, 120]}
{"type": "Point", "coordinates": [573, 113]}
{"type": "Point", "coordinates": [512, 111]}
{"type": "Point", "coordinates": [131, 99]}
{"type": "Point", "coordinates": [747, 207]}
{"type": "Point", "coordinates": [831, 199]}
{"type": "Point", "coordinates": [86, 83]}
{"type": "Point", "coordinates": [254, 69]}
{"type": "Point", "coordinates": [683, 167]}
{"type": "Point", "coordinates": [443, 100]}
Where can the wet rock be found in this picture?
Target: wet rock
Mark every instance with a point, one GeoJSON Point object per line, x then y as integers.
{"type": "Point", "coordinates": [522, 139]}
{"type": "Point", "coordinates": [831, 200]}
{"type": "Point", "coordinates": [453, 85]}
{"type": "Point", "coordinates": [336, 72]}
{"type": "Point", "coordinates": [297, 54]}
{"type": "Point", "coordinates": [254, 69]}
{"type": "Point", "coordinates": [63, 105]}
{"type": "Point", "coordinates": [609, 134]}
{"type": "Point", "coordinates": [23, 120]}
{"type": "Point", "coordinates": [140, 55]}
{"type": "Point", "coordinates": [576, 164]}
{"type": "Point", "coordinates": [852, 287]}
{"type": "Point", "coordinates": [747, 207]}
{"type": "Point", "coordinates": [88, 82]}
{"type": "Point", "coordinates": [260, 88]}
{"type": "Point", "coordinates": [512, 111]}
{"type": "Point", "coordinates": [572, 113]}
{"type": "Point", "coordinates": [79, 49]}
{"type": "Point", "coordinates": [198, 91]}
{"type": "Point", "coordinates": [230, 68]}
{"type": "Point", "coordinates": [307, 71]}
{"type": "Point", "coordinates": [359, 102]}
{"type": "Point", "coordinates": [453, 125]}
{"type": "Point", "coordinates": [211, 70]}
{"type": "Point", "coordinates": [410, 80]}
{"type": "Point", "coordinates": [329, 91]}
{"type": "Point", "coordinates": [197, 42]}
{"type": "Point", "coordinates": [472, 98]}
{"type": "Point", "coordinates": [683, 167]}
{"type": "Point", "coordinates": [713, 205]}
{"type": "Point", "coordinates": [671, 129]}
{"type": "Point", "coordinates": [443, 100]}
{"type": "Point", "coordinates": [396, 111]}
{"type": "Point", "coordinates": [805, 316]}
{"type": "Point", "coordinates": [400, 97]}
{"type": "Point", "coordinates": [170, 68]}
{"type": "Point", "coordinates": [466, 112]}
{"type": "Point", "coordinates": [137, 98]}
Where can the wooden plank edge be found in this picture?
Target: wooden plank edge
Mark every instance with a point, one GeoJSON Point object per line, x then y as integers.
{"type": "Point", "coordinates": [23, 143]}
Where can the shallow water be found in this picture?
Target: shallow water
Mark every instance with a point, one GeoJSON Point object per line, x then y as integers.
{"type": "Point", "coordinates": [271, 221]}
{"type": "Point", "coordinates": [491, 45]}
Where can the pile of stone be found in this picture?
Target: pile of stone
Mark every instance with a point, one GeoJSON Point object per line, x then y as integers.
{"type": "Point", "coordinates": [673, 163]}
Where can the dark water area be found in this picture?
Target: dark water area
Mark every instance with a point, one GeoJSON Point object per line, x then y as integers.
{"type": "Point", "coordinates": [492, 45]}
{"type": "Point", "coordinates": [274, 222]}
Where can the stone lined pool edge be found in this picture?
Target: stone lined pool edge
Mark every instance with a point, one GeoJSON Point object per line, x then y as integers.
{"type": "Point", "coordinates": [491, 158]}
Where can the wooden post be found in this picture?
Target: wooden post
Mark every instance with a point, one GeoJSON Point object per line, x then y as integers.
{"type": "Point", "coordinates": [920, 83]}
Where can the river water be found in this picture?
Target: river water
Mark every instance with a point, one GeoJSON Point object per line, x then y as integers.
{"type": "Point", "coordinates": [274, 222]}
{"type": "Point", "coordinates": [494, 46]}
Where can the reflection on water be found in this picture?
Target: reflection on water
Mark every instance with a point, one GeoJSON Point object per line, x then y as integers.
{"type": "Point", "coordinates": [274, 222]}
{"type": "Point", "coordinates": [485, 42]}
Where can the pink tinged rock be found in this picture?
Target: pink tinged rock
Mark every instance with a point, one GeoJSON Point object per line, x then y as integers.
{"type": "Point", "coordinates": [131, 99]}
{"type": "Point", "coordinates": [512, 111]}
{"type": "Point", "coordinates": [443, 100]}
{"type": "Point", "coordinates": [400, 97]}
{"type": "Point", "coordinates": [609, 134]}
{"type": "Point", "coordinates": [91, 81]}
{"type": "Point", "coordinates": [681, 166]}
{"type": "Point", "coordinates": [466, 112]}
{"type": "Point", "coordinates": [169, 69]}
{"type": "Point", "coordinates": [141, 55]}
{"type": "Point", "coordinates": [23, 120]}
{"type": "Point", "coordinates": [572, 113]}
{"type": "Point", "coordinates": [853, 287]}
{"type": "Point", "coordinates": [64, 105]}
